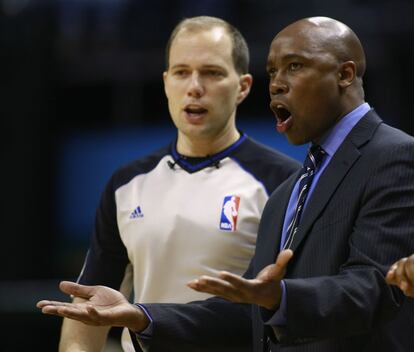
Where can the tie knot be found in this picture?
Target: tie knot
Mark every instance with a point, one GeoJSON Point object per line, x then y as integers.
{"type": "Point", "coordinates": [314, 157]}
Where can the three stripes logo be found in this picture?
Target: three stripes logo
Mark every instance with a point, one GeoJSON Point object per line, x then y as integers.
{"type": "Point", "coordinates": [137, 213]}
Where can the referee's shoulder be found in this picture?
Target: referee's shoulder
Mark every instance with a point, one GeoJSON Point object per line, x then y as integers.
{"type": "Point", "coordinates": [267, 156]}
{"type": "Point", "coordinates": [137, 167]}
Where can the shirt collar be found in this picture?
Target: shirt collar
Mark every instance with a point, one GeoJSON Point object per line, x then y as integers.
{"type": "Point", "coordinates": [192, 164]}
{"type": "Point", "coordinates": [334, 137]}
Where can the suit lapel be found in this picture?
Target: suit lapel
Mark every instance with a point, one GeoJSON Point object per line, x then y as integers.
{"type": "Point", "coordinates": [271, 230]}
{"type": "Point", "coordinates": [342, 161]}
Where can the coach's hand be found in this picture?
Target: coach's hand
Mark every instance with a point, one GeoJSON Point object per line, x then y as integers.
{"type": "Point", "coordinates": [103, 306]}
{"type": "Point", "coordinates": [264, 290]}
{"type": "Point", "coordinates": [401, 274]}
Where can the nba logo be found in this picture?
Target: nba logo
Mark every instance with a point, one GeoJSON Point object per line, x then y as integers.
{"type": "Point", "coordinates": [229, 213]}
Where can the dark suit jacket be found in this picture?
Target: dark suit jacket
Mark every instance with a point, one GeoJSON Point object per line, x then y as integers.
{"type": "Point", "coordinates": [359, 221]}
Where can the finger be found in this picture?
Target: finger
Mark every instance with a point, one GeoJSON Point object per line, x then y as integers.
{"type": "Point", "coordinates": [243, 290]}
{"type": "Point", "coordinates": [205, 281]}
{"type": "Point", "coordinates": [391, 279]}
{"type": "Point", "coordinates": [277, 271]}
{"type": "Point", "coordinates": [400, 271]}
{"type": "Point", "coordinates": [283, 258]}
{"type": "Point", "coordinates": [42, 303]}
{"type": "Point", "coordinates": [74, 312]}
{"type": "Point", "coordinates": [409, 270]}
{"type": "Point", "coordinates": [58, 308]}
{"type": "Point", "coordinates": [77, 290]}
{"type": "Point", "coordinates": [45, 303]}
{"type": "Point", "coordinates": [235, 280]}
{"type": "Point", "coordinates": [50, 310]}
{"type": "Point", "coordinates": [391, 275]}
{"type": "Point", "coordinates": [237, 289]}
{"type": "Point", "coordinates": [214, 286]}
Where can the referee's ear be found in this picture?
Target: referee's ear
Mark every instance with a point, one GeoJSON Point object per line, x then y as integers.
{"type": "Point", "coordinates": [245, 84]}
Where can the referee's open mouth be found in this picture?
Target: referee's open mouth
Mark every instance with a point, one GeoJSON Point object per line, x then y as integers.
{"type": "Point", "coordinates": [195, 113]}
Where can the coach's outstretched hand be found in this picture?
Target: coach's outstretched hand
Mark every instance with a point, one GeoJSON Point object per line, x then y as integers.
{"type": "Point", "coordinates": [264, 290]}
{"type": "Point", "coordinates": [103, 306]}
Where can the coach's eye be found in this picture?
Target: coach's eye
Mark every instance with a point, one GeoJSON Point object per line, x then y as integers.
{"type": "Point", "coordinates": [272, 72]}
{"type": "Point", "coordinates": [294, 66]}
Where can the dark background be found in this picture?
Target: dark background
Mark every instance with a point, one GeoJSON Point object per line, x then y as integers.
{"type": "Point", "coordinates": [74, 72]}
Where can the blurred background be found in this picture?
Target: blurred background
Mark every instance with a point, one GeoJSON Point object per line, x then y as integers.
{"type": "Point", "coordinates": [82, 94]}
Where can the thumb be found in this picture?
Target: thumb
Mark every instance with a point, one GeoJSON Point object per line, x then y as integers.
{"type": "Point", "coordinates": [277, 271]}
{"type": "Point", "coordinates": [283, 258]}
{"type": "Point", "coordinates": [281, 262]}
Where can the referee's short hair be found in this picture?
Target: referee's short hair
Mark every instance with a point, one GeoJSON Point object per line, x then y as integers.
{"type": "Point", "coordinates": [240, 50]}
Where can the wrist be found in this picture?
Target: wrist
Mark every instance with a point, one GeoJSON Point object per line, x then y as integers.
{"type": "Point", "coordinates": [138, 320]}
{"type": "Point", "coordinates": [279, 296]}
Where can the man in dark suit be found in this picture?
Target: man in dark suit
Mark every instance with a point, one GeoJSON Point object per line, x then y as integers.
{"type": "Point", "coordinates": [332, 230]}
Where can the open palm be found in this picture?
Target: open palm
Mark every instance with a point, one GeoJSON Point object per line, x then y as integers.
{"type": "Point", "coordinates": [264, 290]}
{"type": "Point", "coordinates": [96, 305]}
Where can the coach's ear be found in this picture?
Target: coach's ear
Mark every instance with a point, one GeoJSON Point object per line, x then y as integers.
{"type": "Point", "coordinates": [346, 74]}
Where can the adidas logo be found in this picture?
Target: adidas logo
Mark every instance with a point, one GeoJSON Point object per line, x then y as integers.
{"type": "Point", "coordinates": [137, 213]}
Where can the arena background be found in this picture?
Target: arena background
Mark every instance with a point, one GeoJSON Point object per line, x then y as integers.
{"type": "Point", "coordinates": [81, 94]}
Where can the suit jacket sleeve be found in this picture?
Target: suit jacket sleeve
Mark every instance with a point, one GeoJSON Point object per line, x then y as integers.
{"type": "Point", "coordinates": [211, 325]}
{"type": "Point", "coordinates": [336, 284]}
